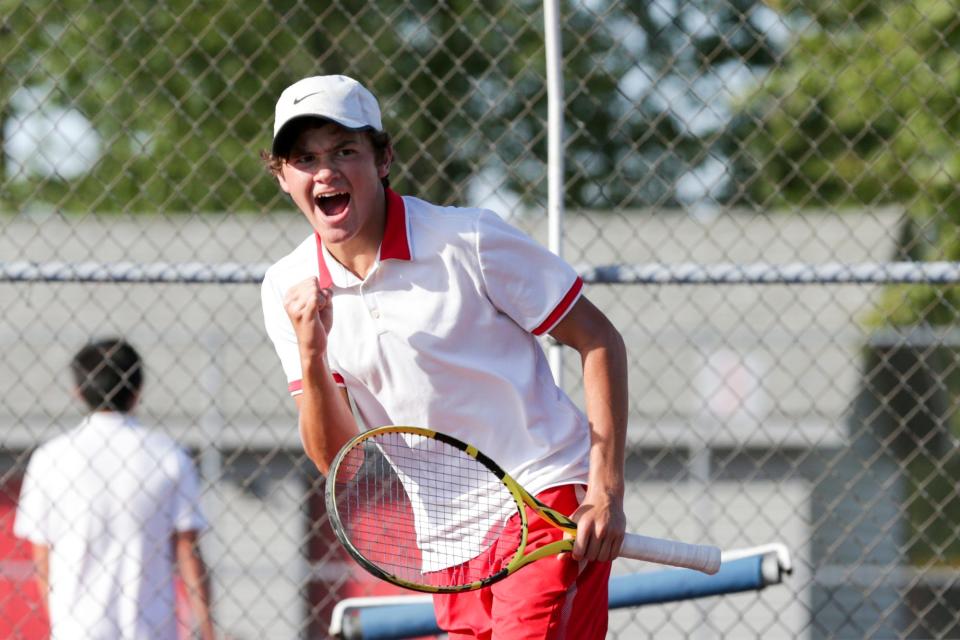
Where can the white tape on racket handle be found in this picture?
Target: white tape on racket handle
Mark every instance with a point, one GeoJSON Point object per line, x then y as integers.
{"type": "Point", "coordinates": [701, 557]}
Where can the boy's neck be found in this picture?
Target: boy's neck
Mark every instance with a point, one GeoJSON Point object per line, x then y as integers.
{"type": "Point", "coordinates": [359, 254]}
{"type": "Point", "coordinates": [358, 262]}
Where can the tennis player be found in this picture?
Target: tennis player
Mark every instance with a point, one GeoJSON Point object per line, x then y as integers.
{"type": "Point", "coordinates": [428, 315]}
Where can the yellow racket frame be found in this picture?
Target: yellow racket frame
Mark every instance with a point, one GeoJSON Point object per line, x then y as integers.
{"type": "Point", "coordinates": [520, 496]}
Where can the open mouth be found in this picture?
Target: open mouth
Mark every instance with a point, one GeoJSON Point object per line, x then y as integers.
{"type": "Point", "coordinates": [332, 204]}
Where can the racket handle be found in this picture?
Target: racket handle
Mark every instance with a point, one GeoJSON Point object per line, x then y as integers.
{"type": "Point", "coordinates": [701, 557]}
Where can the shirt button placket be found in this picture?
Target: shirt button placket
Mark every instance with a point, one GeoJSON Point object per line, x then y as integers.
{"type": "Point", "coordinates": [370, 302]}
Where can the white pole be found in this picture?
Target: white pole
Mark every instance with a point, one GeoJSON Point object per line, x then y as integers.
{"type": "Point", "coordinates": [211, 462]}
{"type": "Point", "coordinates": [555, 150]}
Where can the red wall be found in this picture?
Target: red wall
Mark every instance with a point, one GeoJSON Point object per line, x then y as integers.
{"type": "Point", "coordinates": [21, 615]}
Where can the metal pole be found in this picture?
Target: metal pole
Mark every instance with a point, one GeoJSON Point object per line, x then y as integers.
{"type": "Point", "coordinates": [555, 149]}
{"type": "Point", "coordinates": [211, 463]}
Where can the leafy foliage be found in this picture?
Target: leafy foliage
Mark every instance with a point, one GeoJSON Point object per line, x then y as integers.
{"type": "Point", "coordinates": [864, 112]}
{"type": "Point", "coordinates": [180, 94]}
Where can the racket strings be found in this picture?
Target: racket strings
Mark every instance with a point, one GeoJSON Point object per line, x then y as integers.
{"type": "Point", "coordinates": [424, 511]}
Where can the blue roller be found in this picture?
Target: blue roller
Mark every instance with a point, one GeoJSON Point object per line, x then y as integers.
{"type": "Point", "coordinates": [392, 622]}
{"type": "Point", "coordinates": [673, 585]}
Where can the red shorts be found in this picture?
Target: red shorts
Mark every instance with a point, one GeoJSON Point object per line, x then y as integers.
{"type": "Point", "coordinates": [552, 598]}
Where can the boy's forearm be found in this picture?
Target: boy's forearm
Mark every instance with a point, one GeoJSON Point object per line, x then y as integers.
{"type": "Point", "coordinates": [326, 421]}
{"type": "Point", "coordinates": [198, 590]}
{"type": "Point", "coordinates": [41, 563]}
{"type": "Point", "coordinates": [196, 581]}
{"type": "Point", "coordinates": [605, 390]}
{"type": "Point", "coordinates": [603, 355]}
{"type": "Point", "coordinates": [601, 522]}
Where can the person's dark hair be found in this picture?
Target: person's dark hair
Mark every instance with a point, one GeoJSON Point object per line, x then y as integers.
{"type": "Point", "coordinates": [380, 140]}
{"type": "Point", "coordinates": [108, 374]}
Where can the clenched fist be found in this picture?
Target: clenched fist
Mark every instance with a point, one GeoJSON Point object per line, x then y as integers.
{"type": "Point", "coordinates": [310, 312]}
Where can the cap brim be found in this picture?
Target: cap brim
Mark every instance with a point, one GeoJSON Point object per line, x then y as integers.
{"type": "Point", "coordinates": [352, 125]}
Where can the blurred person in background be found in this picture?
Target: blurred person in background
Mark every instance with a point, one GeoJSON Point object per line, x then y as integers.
{"type": "Point", "coordinates": [112, 511]}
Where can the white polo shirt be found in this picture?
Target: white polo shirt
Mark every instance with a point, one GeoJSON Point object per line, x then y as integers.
{"type": "Point", "coordinates": [107, 497]}
{"type": "Point", "coordinates": [442, 334]}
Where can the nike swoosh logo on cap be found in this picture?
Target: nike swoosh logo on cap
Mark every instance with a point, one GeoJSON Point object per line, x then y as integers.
{"type": "Point", "coordinates": [302, 98]}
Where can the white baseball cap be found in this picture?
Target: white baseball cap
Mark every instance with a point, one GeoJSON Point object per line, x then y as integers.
{"type": "Point", "coordinates": [338, 98]}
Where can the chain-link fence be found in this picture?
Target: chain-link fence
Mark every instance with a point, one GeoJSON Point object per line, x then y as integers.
{"type": "Point", "coordinates": [815, 410]}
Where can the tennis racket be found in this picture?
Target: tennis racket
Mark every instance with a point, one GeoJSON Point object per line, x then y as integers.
{"type": "Point", "coordinates": [417, 508]}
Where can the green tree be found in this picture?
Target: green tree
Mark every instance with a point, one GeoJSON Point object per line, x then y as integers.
{"type": "Point", "coordinates": [864, 112]}
{"type": "Point", "coordinates": [178, 108]}
{"type": "Point", "coordinates": [181, 93]}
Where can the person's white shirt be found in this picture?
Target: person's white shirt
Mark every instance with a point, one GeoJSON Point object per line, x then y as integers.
{"type": "Point", "coordinates": [107, 498]}
{"type": "Point", "coordinates": [442, 333]}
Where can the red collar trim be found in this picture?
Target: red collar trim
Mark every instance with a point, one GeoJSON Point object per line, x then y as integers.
{"type": "Point", "coordinates": [395, 244]}
{"type": "Point", "coordinates": [323, 273]}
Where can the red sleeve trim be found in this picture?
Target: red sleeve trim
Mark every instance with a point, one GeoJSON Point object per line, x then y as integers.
{"type": "Point", "coordinates": [297, 385]}
{"type": "Point", "coordinates": [561, 308]}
